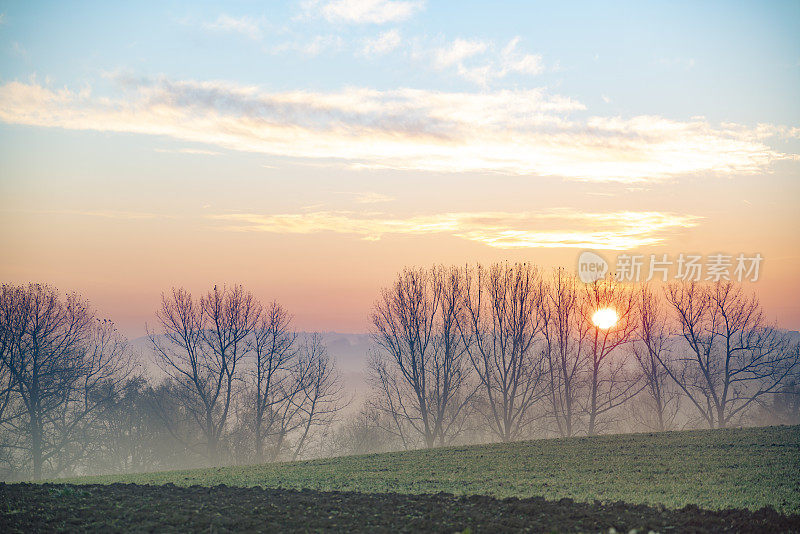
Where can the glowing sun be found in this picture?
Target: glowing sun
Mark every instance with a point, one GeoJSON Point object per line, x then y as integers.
{"type": "Point", "coordinates": [605, 318]}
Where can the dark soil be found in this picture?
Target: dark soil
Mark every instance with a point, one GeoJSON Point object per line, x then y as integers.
{"type": "Point", "coordinates": [130, 507]}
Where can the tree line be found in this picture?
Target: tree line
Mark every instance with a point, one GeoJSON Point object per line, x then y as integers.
{"type": "Point", "coordinates": [461, 355]}
{"type": "Point", "coordinates": [506, 352]}
{"type": "Point", "coordinates": [237, 385]}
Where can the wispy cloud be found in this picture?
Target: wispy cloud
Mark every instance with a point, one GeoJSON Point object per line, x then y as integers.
{"type": "Point", "coordinates": [382, 44]}
{"type": "Point", "coordinates": [558, 228]}
{"type": "Point", "coordinates": [480, 62]}
{"type": "Point", "coordinates": [365, 11]}
{"type": "Point", "coordinates": [247, 26]}
{"type": "Point", "coordinates": [456, 52]}
{"type": "Point", "coordinates": [521, 132]}
{"type": "Point", "coordinates": [513, 60]}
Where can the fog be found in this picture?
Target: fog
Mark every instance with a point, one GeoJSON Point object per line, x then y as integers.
{"type": "Point", "coordinates": [455, 356]}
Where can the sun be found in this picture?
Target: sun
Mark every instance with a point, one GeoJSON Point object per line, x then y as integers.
{"type": "Point", "coordinates": [605, 318]}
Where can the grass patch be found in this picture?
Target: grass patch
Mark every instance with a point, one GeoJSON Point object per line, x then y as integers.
{"type": "Point", "coordinates": [715, 469]}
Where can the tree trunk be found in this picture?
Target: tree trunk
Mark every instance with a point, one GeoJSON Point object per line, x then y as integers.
{"type": "Point", "coordinates": [36, 452]}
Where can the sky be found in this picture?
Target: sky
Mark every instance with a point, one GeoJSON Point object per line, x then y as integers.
{"type": "Point", "coordinates": [311, 149]}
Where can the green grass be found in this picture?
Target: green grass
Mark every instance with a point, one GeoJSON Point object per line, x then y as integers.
{"type": "Point", "coordinates": [741, 468]}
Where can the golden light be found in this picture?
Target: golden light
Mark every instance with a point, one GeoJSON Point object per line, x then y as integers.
{"type": "Point", "coordinates": [605, 318]}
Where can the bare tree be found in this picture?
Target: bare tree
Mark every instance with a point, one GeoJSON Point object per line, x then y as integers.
{"type": "Point", "coordinates": [200, 346]}
{"type": "Point", "coordinates": [611, 381]}
{"type": "Point", "coordinates": [107, 364]}
{"type": "Point", "coordinates": [320, 395]}
{"type": "Point", "coordinates": [653, 344]}
{"type": "Point", "coordinates": [733, 357]}
{"type": "Point", "coordinates": [452, 390]}
{"type": "Point", "coordinates": [501, 326]}
{"type": "Point", "coordinates": [291, 391]}
{"type": "Point", "coordinates": [566, 335]}
{"type": "Point", "coordinates": [65, 365]}
{"type": "Point", "coordinates": [420, 372]}
{"type": "Point", "coordinates": [275, 348]}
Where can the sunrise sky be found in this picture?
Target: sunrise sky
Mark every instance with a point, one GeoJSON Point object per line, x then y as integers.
{"type": "Point", "coordinates": [310, 149]}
